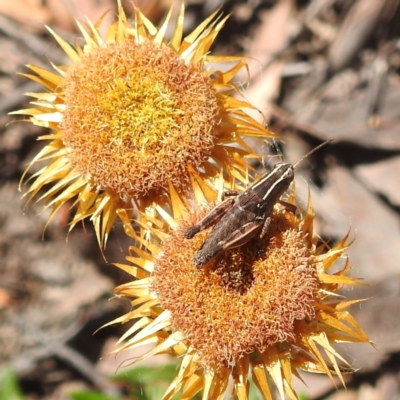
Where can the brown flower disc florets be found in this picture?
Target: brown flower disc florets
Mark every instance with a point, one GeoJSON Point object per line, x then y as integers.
{"type": "Point", "coordinates": [136, 116]}
{"type": "Point", "coordinates": [247, 299]}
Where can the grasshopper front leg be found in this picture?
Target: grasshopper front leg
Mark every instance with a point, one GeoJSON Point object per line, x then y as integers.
{"type": "Point", "coordinates": [211, 218]}
{"type": "Point", "coordinates": [265, 227]}
{"type": "Point", "coordinates": [290, 207]}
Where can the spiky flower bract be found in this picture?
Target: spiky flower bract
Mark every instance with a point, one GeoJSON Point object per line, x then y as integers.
{"type": "Point", "coordinates": [265, 310]}
{"type": "Point", "coordinates": [135, 116]}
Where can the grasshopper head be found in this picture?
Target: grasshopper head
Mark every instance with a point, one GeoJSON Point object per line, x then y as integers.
{"type": "Point", "coordinates": [284, 172]}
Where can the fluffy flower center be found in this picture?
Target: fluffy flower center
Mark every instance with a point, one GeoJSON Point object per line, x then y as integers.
{"type": "Point", "coordinates": [247, 299]}
{"type": "Point", "coordinates": [136, 116]}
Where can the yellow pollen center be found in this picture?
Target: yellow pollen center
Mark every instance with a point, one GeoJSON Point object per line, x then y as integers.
{"type": "Point", "coordinates": [136, 117]}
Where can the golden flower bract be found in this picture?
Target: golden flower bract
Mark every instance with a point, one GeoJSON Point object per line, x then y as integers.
{"type": "Point", "coordinates": [266, 309]}
{"type": "Point", "coordinates": [135, 116]}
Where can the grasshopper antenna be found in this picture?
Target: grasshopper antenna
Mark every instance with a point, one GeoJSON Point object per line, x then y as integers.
{"type": "Point", "coordinates": [312, 151]}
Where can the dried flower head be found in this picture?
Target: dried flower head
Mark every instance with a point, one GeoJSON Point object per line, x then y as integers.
{"type": "Point", "coordinates": [269, 307]}
{"type": "Point", "coordinates": [135, 116]}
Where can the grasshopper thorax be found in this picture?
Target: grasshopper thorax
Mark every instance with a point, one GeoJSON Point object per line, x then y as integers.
{"type": "Point", "coordinates": [285, 171]}
{"type": "Point", "coordinates": [274, 184]}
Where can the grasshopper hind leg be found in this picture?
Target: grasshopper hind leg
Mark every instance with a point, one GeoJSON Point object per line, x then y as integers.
{"type": "Point", "coordinates": [211, 218]}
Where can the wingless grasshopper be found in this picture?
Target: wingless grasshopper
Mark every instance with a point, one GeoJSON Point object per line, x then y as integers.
{"type": "Point", "coordinates": [238, 219]}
